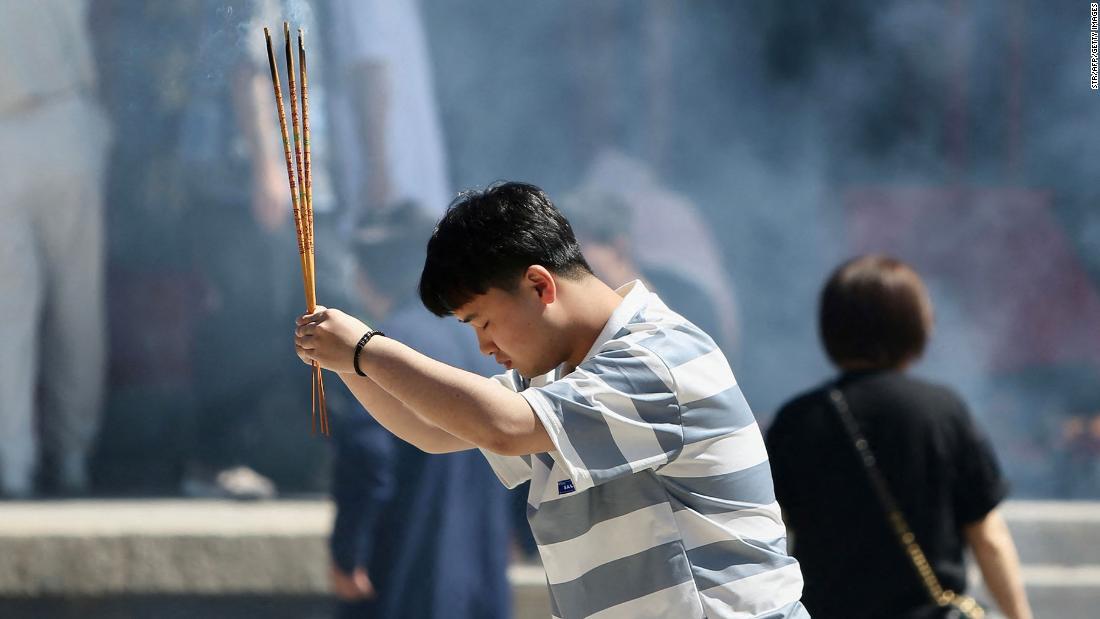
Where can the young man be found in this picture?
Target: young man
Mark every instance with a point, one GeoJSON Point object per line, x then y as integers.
{"type": "Point", "coordinates": [651, 493]}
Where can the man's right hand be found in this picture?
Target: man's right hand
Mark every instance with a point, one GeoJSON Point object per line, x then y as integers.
{"type": "Point", "coordinates": [329, 337]}
{"type": "Point", "coordinates": [352, 587]}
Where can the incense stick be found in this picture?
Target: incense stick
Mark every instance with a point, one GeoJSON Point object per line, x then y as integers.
{"type": "Point", "coordinates": [286, 151]}
{"type": "Point", "coordinates": [299, 176]}
{"type": "Point", "coordinates": [303, 201]}
{"type": "Point", "coordinates": [303, 83]}
{"type": "Point", "coordinates": [311, 300]}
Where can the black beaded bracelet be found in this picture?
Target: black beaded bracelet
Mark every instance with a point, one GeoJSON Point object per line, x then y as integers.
{"type": "Point", "coordinates": [359, 348]}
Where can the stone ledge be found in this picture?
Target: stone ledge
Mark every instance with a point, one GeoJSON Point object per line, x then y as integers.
{"type": "Point", "coordinates": [160, 517]}
{"type": "Point", "coordinates": [157, 552]}
{"type": "Point", "coordinates": [127, 549]}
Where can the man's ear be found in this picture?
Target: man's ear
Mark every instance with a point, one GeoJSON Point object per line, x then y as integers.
{"type": "Point", "coordinates": [542, 281]}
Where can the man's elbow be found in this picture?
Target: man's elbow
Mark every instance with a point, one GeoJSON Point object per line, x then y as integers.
{"type": "Point", "coordinates": [431, 449]}
{"type": "Point", "coordinates": [507, 442]}
{"type": "Point", "coordinates": [501, 443]}
{"type": "Point", "coordinates": [428, 445]}
{"type": "Point", "coordinates": [518, 432]}
{"type": "Point", "coordinates": [443, 445]}
{"type": "Point", "coordinates": [513, 442]}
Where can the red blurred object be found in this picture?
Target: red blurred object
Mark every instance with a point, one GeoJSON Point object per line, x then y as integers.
{"type": "Point", "coordinates": [152, 318]}
{"type": "Point", "coordinates": [1002, 255]}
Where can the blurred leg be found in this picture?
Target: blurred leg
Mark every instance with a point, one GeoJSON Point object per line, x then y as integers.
{"type": "Point", "coordinates": [20, 303]}
{"type": "Point", "coordinates": [248, 272]}
{"type": "Point", "coordinates": [73, 338]}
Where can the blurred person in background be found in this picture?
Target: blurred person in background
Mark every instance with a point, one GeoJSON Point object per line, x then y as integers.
{"type": "Point", "coordinates": [199, 226]}
{"type": "Point", "coordinates": [875, 318]}
{"type": "Point", "coordinates": [416, 535]}
{"type": "Point", "coordinates": [387, 126]}
{"type": "Point", "coordinates": [604, 225]}
{"type": "Point", "coordinates": [665, 233]}
{"type": "Point", "coordinates": [1078, 451]}
{"type": "Point", "coordinates": [154, 288]}
{"type": "Point", "coordinates": [384, 110]}
{"type": "Point", "coordinates": [51, 247]}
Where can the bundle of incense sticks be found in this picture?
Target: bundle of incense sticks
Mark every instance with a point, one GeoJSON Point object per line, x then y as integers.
{"type": "Point", "coordinates": [301, 189]}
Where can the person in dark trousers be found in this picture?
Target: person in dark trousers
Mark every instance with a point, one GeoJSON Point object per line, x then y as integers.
{"type": "Point", "coordinates": [416, 536]}
{"type": "Point", "coordinates": [875, 318]}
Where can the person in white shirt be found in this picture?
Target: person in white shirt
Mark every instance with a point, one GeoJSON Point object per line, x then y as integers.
{"type": "Point", "coordinates": [387, 133]}
{"type": "Point", "coordinates": [55, 136]}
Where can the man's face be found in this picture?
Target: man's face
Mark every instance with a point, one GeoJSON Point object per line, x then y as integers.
{"type": "Point", "coordinates": [512, 327]}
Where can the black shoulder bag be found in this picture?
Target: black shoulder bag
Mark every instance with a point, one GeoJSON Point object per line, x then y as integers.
{"type": "Point", "coordinates": [957, 605]}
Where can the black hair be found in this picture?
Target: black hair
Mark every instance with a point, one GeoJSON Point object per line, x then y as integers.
{"type": "Point", "coordinates": [874, 312]}
{"type": "Point", "coordinates": [488, 238]}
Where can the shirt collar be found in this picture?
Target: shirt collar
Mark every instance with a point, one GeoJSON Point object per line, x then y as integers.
{"type": "Point", "coordinates": [634, 295]}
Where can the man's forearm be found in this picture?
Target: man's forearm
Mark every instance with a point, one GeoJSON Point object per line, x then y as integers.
{"type": "Point", "coordinates": [996, 554]}
{"type": "Point", "coordinates": [399, 419]}
{"type": "Point", "coordinates": [475, 409]}
{"type": "Point", "coordinates": [471, 407]}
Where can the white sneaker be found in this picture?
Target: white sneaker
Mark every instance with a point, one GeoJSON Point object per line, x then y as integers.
{"type": "Point", "coordinates": [240, 483]}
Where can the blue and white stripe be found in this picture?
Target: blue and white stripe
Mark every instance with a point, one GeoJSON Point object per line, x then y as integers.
{"type": "Point", "coordinates": [670, 511]}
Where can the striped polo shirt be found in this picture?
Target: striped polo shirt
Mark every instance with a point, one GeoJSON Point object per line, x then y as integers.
{"type": "Point", "coordinates": [658, 500]}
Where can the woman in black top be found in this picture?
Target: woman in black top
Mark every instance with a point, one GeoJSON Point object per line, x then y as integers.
{"type": "Point", "coordinates": [875, 317]}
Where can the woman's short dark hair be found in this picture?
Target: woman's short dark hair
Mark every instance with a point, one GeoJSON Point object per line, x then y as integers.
{"type": "Point", "coordinates": [488, 238]}
{"type": "Point", "coordinates": [875, 312]}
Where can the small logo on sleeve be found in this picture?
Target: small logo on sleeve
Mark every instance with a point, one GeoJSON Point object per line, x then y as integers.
{"type": "Point", "coordinates": [565, 486]}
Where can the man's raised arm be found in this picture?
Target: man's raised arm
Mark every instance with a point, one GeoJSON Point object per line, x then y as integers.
{"type": "Point", "coordinates": [472, 408]}
{"type": "Point", "coordinates": [400, 419]}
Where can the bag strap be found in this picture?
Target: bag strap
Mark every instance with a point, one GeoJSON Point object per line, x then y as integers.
{"type": "Point", "coordinates": [905, 536]}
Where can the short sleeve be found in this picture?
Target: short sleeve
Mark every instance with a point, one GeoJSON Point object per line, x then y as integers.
{"type": "Point", "coordinates": [980, 486]}
{"type": "Point", "coordinates": [779, 453]}
{"type": "Point", "coordinates": [615, 415]}
{"type": "Point", "coordinates": [510, 470]}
